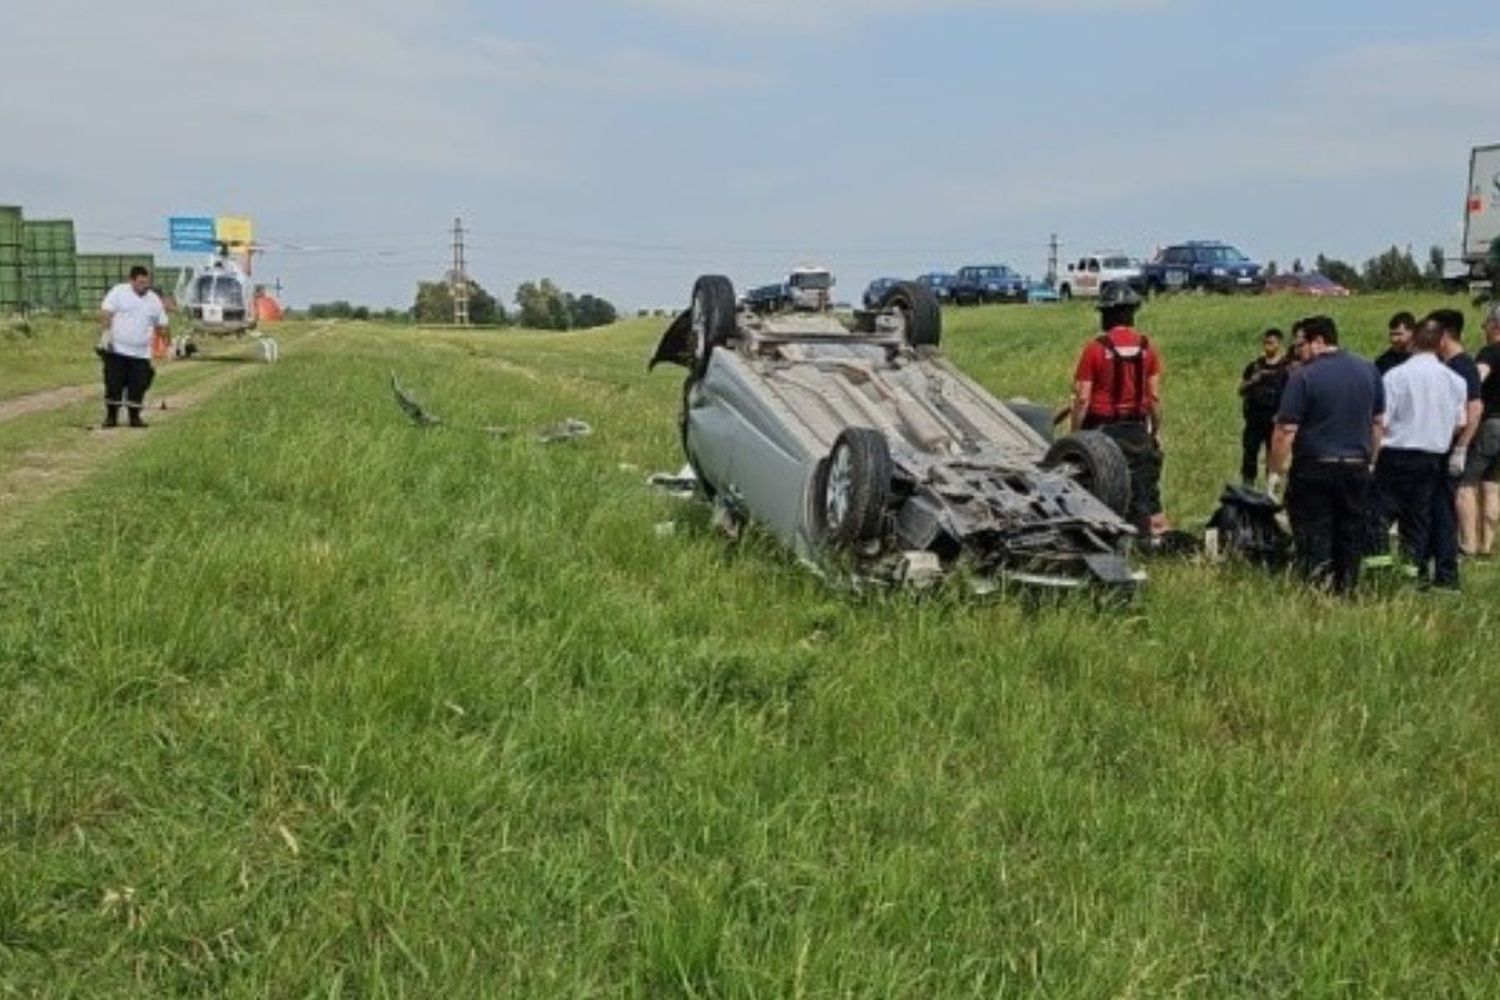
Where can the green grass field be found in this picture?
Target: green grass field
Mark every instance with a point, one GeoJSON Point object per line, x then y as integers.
{"type": "Point", "coordinates": [297, 699]}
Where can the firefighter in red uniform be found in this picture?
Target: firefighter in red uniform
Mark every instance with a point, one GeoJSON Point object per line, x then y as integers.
{"type": "Point", "coordinates": [1117, 390]}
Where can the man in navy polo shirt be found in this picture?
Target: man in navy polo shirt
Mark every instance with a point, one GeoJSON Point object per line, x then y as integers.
{"type": "Point", "coordinates": [1327, 435]}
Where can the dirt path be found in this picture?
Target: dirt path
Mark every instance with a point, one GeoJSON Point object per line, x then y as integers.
{"type": "Point", "coordinates": [65, 462]}
{"type": "Point", "coordinates": [47, 399]}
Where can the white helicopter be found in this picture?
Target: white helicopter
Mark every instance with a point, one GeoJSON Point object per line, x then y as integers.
{"type": "Point", "coordinates": [220, 300]}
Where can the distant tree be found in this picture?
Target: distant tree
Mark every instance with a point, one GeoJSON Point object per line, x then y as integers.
{"type": "Point", "coordinates": [1297, 264]}
{"type": "Point", "coordinates": [332, 310]}
{"type": "Point", "coordinates": [1339, 271]}
{"type": "Point", "coordinates": [434, 304]}
{"type": "Point", "coordinates": [589, 311]}
{"type": "Point", "coordinates": [1271, 271]}
{"type": "Point", "coordinates": [484, 308]}
{"type": "Point", "coordinates": [1437, 263]}
{"type": "Point", "coordinates": [543, 306]}
{"type": "Point", "coordinates": [1392, 271]}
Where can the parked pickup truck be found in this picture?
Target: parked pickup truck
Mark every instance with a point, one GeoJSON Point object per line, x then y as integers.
{"type": "Point", "coordinates": [805, 288]}
{"type": "Point", "coordinates": [1085, 276]}
{"type": "Point", "coordinates": [1204, 265]}
{"type": "Point", "coordinates": [988, 283]}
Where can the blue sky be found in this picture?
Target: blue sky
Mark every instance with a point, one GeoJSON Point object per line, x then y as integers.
{"type": "Point", "coordinates": [624, 146]}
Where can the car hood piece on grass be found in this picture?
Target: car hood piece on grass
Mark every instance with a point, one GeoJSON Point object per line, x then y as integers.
{"type": "Point", "coordinates": [864, 449]}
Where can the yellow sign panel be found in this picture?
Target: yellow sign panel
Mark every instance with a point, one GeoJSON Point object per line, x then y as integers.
{"type": "Point", "coordinates": [235, 231]}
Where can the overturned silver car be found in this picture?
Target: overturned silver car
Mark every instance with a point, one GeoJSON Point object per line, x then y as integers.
{"type": "Point", "coordinates": [865, 450]}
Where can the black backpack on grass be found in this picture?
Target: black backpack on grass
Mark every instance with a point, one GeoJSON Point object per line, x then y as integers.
{"type": "Point", "coordinates": [1246, 523]}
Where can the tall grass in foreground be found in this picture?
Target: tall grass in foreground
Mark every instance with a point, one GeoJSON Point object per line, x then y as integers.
{"type": "Point", "coordinates": [303, 700]}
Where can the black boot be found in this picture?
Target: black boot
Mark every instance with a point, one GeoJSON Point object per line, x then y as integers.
{"type": "Point", "coordinates": [111, 416]}
{"type": "Point", "coordinates": [135, 417]}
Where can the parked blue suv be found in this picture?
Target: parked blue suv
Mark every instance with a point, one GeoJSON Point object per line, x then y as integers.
{"type": "Point", "coordinates": [988, 283]}
{"type": "Point", "coordinates": [1205, 265]}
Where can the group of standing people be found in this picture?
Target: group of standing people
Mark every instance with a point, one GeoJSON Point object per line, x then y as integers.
{"type": "Point", "coordinates": [1410, 439]}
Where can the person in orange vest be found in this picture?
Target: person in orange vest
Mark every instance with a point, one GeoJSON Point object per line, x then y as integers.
{"type": "Point", "coordinates": [1117, 391]}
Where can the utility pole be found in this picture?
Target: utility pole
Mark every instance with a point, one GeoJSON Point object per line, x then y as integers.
{"type": "Point", "coordinates": [460, 277]}
{"type": "Point", "coordinates": [1053, 248]}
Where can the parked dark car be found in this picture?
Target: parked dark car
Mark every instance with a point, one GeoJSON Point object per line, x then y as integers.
{"type": "Point", "coordinates": [941, 285]}
{"type": "Point", "coordinates": [1202, 265]}
{"type": "Point", "coordinates": [875, 291]}
{"type": "Point", "coordinates": [984, 283]}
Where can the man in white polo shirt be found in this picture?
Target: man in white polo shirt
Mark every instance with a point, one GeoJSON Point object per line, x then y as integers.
{"type": "Point", "coordinates": [131, 316]}
{"type": "Point", "coordinates": [1425, 412]}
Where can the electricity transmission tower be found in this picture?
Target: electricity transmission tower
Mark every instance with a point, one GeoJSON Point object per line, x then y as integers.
{"type": "Point", "coordinates": [460, 277]}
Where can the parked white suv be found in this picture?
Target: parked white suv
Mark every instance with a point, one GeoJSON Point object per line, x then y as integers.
{"type": "Point", "coordinates": [1085, 276]}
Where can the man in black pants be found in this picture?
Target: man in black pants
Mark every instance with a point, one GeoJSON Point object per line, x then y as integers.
{"type": "Point", "coordinates": [1425, 411]}
{"type": "Point", "coordinates": [1117, 391]}
{"type": "Point", "coordinates": [1453, 506]}
{"type": "Point", "coordinates": [131, 316]}
{"type": "Point", "coordinates": [1260, 393]}
{"type": "Point", "coordinates": [1328, 433]}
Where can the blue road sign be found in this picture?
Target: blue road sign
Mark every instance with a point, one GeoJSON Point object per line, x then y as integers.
{"type": "Point", "coordinates": [192, 234]}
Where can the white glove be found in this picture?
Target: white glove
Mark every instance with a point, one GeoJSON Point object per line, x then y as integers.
{"type": "Point", "coordinates": [1275, 485]}
{"type": "Point", "coordinates": [1456, 462]}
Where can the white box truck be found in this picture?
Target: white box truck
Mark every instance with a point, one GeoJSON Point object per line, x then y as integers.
{"type": "Point", "coordinates": [1482, 214]}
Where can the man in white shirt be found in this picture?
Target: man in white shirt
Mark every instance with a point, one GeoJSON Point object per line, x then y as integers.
{"type": "Point", "coordinates": [131, 315]}
{"type": "Point", "coordinates": [1426, 409]}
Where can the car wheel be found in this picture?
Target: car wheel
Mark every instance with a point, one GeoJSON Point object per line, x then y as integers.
{"type": "Point", "coordinates": [919, 310]}
{"type": "Point", "coordinates": [854, 485]}
{"type": "Point", "coordinates": [714, 322]}
{"type": "Point", "coordinates": [1093, 461]}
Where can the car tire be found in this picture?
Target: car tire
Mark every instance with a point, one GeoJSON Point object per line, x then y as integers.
{"type": "Point", "coordinates": [854, 485]}
{"type": "Point", "coordinates": [919, 308]}
{"type": "Point", "coordinates": [1095, 462]}
{"type": "Point", "coordinates": [714, 318]}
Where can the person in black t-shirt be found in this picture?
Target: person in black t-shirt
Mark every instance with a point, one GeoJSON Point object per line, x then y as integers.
{"type": "Point", "coordinates": [1455, 512]}
{"type": "Point", "coordinates": [1482, 470]}
{"type": "Point", "coordinates": [1260, 391]}
{"type": "Point", "coordinates": [1401, 327]}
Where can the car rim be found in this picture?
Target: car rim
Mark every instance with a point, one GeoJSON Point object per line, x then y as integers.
{"type": "Point", "coordinates": [903, 309]}
{"type": "Point", "coordinates": [700, 326]}
{"type": "Point", "coordinates": [840, 483]}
